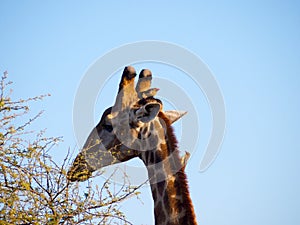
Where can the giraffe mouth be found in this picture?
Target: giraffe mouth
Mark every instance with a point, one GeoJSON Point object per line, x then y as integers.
{"type": "Point", "coordinates": [80, 171]}
{"type": "Point", "coordinates": [80, 174]}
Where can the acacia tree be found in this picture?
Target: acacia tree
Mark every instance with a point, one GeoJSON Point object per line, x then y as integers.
{"type": "Point", "coordinates": [34, 188]}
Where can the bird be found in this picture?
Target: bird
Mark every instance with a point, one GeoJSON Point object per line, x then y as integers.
{"type": "Point", "coordinates": [148, 93]}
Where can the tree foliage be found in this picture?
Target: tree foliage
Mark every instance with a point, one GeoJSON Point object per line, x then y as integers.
{"type": "Point", "coordinates": [34, 188]}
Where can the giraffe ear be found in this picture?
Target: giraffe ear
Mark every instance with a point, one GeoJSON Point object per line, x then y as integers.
{"type": "Point", "coordinates": [148, 112]}
{"type": "Point", "coordinates": [174, 115]}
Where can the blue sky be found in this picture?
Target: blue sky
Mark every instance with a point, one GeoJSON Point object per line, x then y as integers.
{"type": "Point", "coordinates": [252, 48]}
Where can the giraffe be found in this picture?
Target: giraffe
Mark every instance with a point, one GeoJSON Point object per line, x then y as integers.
{"type": "Point", "coordinates": [137, 126]}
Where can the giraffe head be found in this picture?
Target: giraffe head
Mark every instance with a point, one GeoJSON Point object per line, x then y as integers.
{"type": "Point", "coordinates": [125, 130]}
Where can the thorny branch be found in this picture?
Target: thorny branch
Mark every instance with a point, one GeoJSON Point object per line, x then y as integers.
{"type": "Point", "coordinates": [33, 186]}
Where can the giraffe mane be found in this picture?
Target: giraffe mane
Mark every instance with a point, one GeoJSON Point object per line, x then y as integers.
{"type": "Point", "coordinates": [181, 185]}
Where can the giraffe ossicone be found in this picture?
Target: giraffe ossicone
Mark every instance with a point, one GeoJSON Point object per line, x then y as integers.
{"type": "Point", "coordinates": [137, 126]}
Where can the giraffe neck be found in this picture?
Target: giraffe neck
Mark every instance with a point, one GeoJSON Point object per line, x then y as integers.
{"type": "Point", "coordinates": [172, 202]}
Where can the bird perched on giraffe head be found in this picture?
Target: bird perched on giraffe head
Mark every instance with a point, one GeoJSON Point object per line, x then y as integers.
{"type": "Point", "coordinates": [148, 93]}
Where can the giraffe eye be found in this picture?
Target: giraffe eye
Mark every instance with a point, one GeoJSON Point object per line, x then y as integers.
{"type": "Point", "coordinates": [107, 127]}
